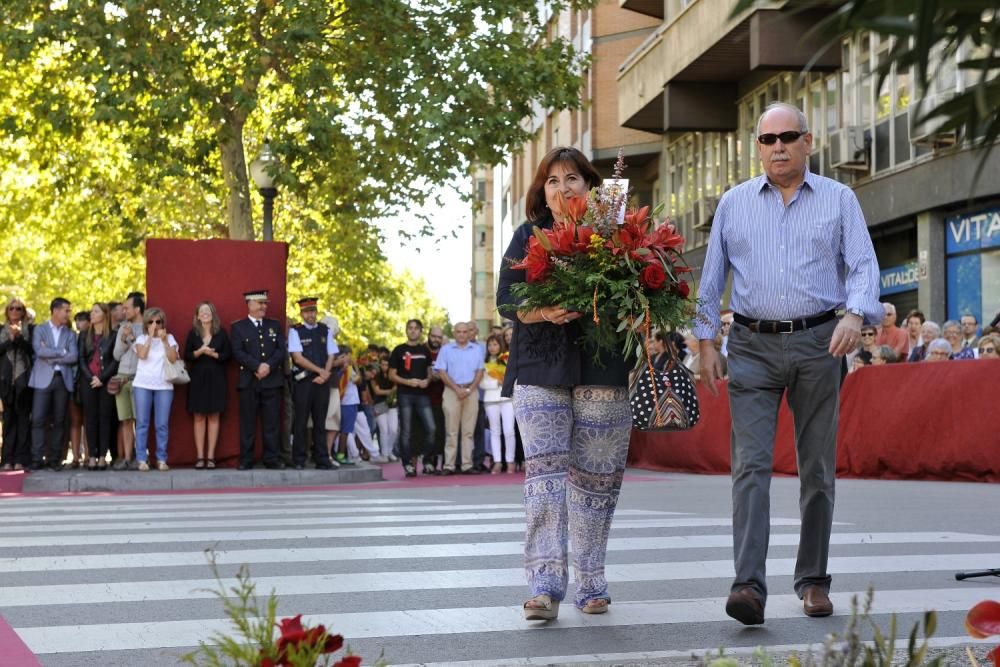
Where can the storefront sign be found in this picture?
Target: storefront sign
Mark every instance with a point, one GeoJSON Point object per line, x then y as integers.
{"type": "Point", "coordinates": [973, 231]}
{"type": "Point", "coordinates": [901, 278]}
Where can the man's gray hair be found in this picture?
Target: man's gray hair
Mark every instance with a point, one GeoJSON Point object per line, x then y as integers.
{"type": "Point", "coordinates": [803, 121]}
{"type": "Point", "coordinates": [951, 323]}
{"type": "Point", "coordinates": [933, 327]}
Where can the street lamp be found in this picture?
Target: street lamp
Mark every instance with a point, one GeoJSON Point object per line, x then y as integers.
{"type": "Point", "coordinates": [263, 170]}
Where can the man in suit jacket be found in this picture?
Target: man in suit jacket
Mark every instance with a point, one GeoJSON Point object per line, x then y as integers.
{"type": "Point", "coordinates": [52, 379]}
{"type": "Point", "coordinates": [259, 349]}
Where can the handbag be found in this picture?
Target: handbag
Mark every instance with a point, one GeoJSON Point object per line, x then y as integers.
{"type": "Point", "coordinates": [175, 373]}
{"type": "Point", "coordinates": [663, 400]}
{"type": "Point", "coordinates": [115, 384]}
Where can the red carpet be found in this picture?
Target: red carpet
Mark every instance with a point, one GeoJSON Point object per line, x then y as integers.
{"type": "Point", "coordinates": [11, 482]}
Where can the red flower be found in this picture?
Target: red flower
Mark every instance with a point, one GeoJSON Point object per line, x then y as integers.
{"type": "Point", "coordinates": [294, 634]}
{"type": "Point", "coordinates": [637, 217]}
{"type": "Point", "coordinates": [652, 276]}
{"type": "Point", "coordinates": [576, 208]}
{"type": "Point", "coordinates": [666, 236]}
{"type": "Point", "coordinates": [267, 662]}
{"type": "Point", "coordinates": [536, 263]}
{"type": "Point", "coordinates": [983, 619]}
{"type": "Point", "coordinates": [683, 289]}
{"type": "Point", "coordinates": [349, 661]}
{"type": "Point", "coordinates": [563, 238]}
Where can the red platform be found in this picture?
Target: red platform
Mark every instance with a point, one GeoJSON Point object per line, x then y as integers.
{"type": "Point", "coordinates": [179, 275]}
{"type": "Point", "coordinates": [935, 421]}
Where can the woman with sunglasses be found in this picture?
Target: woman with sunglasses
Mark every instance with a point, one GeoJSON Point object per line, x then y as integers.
{"type": "Point", "coordinates": [151, 391]}
{"type": "Point", "coordinates": [866, 348]}
{"type": "Point", "coordinates": [989, 347]}
{"type": "Point", "coordinates": [97, 365]}
{"type": "Point", "coordinates": [15, 368]}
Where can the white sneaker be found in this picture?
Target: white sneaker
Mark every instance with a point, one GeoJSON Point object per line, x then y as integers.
{"type": "Point", "coordinates": [380, 459]}
{"type": "Point", "coordinates": [393, 458]}
{"type": "Point", "coordinates": [143, 466]}
{"type": "Point", "coordinates": [162, 466]}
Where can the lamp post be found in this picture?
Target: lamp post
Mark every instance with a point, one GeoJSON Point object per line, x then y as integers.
{"type": "Point", "coordinates": [263, 170]}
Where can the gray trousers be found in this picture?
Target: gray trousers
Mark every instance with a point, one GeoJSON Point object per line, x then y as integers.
{"type": "Point", "coordinates": [762, 368]}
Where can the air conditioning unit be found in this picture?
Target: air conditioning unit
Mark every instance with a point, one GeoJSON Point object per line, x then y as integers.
{"type": "Point", "coordinates": [705, 212]}
{"type": "Point", "coordinates": [929, 132]}
{"type": "Point", "coordinates": [848, 149]}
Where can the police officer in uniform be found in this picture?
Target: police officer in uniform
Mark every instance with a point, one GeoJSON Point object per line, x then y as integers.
{"type": "Point", "coordinates": [259, 348]}
{"type": "Point", "coordinates": [314, 358]}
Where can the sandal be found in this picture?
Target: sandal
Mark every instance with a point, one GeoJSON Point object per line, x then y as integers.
{"type": "Point", "coordinates": [596, 606]}
{"type": "Point", "coordinates": [199, 464]}
{"type": "Point", "coordinates": [91, 465]}
{"type": "Point", "coordinates": [543, 608]}
{"type": "Point", "coordinates": [210, 463]}
{"type": "Point", "coordinates": [496, 469]}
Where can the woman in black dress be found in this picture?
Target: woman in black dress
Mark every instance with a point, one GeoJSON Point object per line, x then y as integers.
{"type": "Point", "coordinates": [206, 351]}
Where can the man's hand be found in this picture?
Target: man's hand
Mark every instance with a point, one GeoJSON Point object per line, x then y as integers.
{"type": "Point", "coordinates": [263, 371]}
{"type": "Point", "coordinates": [846, 335]}
{"type": "Point", "coordinates": [322, 378]}
{"type": "Point", "coordinates": [711, 365]}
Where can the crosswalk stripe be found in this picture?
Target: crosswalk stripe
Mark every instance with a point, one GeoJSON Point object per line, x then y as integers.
{"type": "Point", "coordinates": [89, 515]}
{"type": "Point", "coordinates": [319, 533]}
{"type": "Point", "coordinates": [640, 657]}
{"type": "Point", "coordinates": [361, 582]}
{"type": "Point", "coordinates": [442, 550]}
{"type": "Point", "coordinates": [427, 622]}
{"type": "Point", "coordinates": [313, 517]}
{"type": "Point", "coordinates": [156, 501]}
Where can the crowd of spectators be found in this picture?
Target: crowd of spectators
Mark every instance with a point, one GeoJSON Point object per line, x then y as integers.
{"type": "Point", "coordinates": [89, 391]}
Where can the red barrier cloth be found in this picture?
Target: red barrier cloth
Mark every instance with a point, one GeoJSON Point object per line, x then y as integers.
{"type": "Point", "coordinates": [936, 421]}
{"type": "Point", "coordinates": [180, 274]}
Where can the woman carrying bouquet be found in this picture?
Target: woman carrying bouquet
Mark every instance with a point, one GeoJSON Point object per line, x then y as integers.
{"type": "Point", "coordinates": [499, 410]}
{"type": "Point", "coordinates": [573, 414]}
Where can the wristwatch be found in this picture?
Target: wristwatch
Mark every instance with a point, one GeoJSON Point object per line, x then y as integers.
{"type": "Point", "coordinates": [856, 311]}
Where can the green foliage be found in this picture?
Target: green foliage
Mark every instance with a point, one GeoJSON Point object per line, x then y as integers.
{"type": "Point", "coordinates": [368, 103]}
{"type": "Point", "coordinates": [926, 32]}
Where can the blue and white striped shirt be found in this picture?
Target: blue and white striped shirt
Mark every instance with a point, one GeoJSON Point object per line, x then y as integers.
{"type": "Point", "coordinates": [789, 262]}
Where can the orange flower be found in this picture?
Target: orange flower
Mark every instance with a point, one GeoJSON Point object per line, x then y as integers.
{"type": "Point", "coordinates": [536, 263]}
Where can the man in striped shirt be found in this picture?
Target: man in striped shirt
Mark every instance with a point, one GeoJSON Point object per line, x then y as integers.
{"type": "Point", "coordinates": [799, 249]}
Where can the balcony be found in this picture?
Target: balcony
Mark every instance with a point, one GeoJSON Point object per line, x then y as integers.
{"type": "Point", "coordinates": [652, 8]}
{"type": "Point", "coordinates": [686, 75]}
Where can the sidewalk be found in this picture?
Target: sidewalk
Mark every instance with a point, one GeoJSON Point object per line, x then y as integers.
{"type": "Point", "coordinates": [73, 481]}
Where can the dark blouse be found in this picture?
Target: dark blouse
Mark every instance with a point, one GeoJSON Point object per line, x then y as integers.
{"type": "Point", "coordinates": [549, 354]}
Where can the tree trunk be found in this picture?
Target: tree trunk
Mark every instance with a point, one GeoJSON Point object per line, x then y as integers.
{"type": "Point", "coordinates": [239, 212]}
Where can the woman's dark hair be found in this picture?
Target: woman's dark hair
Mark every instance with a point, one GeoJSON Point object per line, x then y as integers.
{"type": "Point", "coordinates": [535, 207]}
{"type": "Point", "coordinates": [499, 341]}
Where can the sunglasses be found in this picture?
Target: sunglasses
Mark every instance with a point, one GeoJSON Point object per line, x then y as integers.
{"type": "Point", "coordinates": [987, 350]}
{"type": "Point", "coordinates": [789, 137]}
{"type": "Point", "coordinates": [21, 308]}
{"type": "Point", "coordinates": [156, 321]}
{"type": "Point", "coordinates": [867, 335]}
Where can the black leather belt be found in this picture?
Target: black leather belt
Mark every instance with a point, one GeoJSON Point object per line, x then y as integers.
{"type": "Point", "coordinates": [784, 326]}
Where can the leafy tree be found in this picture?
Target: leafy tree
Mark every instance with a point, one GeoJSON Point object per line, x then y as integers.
{"type": "Point", "coordinates": [926, 32]}
{"type": "Point", "coordinates": [368, 102]}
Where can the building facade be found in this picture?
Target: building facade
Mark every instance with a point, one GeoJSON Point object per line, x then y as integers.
{"type": "Point", "coordinates": [483, 266]}
{"type": "Point", "coordinates": [701, 79]}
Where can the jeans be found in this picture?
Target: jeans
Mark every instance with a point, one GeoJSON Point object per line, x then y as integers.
{"type": "Point", "coordinates": [159, 401]}
{"type": "Point", "coordinates": [408, 405]}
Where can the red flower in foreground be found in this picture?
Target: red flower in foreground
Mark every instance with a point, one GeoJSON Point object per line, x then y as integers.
{"type": "Point", "coordinates": [536, 262]}
{"type": "Point", "coordinates": [349, 661]}
{"type": "Point", "coordinates": [294, 634]}
{"type": "Point", "coordinates": [652, 276]}
{"type": "Point", "coordinates": [983, 619]}
{"type": "Point", "coordinates": [576, 208]}
{"type": "Point", "coordinates": [683, 289]}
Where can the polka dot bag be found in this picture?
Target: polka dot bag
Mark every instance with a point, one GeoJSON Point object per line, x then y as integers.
{"type": "Point", "coordinates": [663, 400]}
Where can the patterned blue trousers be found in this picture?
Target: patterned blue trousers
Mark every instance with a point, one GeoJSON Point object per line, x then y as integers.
{"type": "Point", "coordinates": [575, 446]}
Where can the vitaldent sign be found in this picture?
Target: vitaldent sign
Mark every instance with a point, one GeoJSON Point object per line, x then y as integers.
{"type": "Point", "coordinates": [897, 279]}
{"type": "Point", "coordinates": [973, 231]}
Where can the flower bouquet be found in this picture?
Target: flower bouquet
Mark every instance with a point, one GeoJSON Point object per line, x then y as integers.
{"type": "Point", "coordinates": [497, 369]}
{"type": "Point", "coordinates": [623, 272]}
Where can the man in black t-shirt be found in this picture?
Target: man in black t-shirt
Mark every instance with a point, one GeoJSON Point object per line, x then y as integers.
{"type": "Point", "coordinates": [410, 369]}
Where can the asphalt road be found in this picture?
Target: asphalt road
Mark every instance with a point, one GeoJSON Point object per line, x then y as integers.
{"type": "Point", "coordinates": [432, 574]}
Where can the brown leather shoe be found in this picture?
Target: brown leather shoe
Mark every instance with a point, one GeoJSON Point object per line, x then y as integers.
{"type": "Point", "coordinates": [746, 606]}
{"type": "Point", "coordinates": [815, 602]}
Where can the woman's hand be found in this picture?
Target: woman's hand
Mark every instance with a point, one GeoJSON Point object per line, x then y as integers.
{"type": "Point", "coordinates": [553, 314]}
{"type": "Point", "coordinates": [95, 382]}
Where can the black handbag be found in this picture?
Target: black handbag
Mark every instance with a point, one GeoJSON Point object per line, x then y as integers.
{"type": "Point", "coordinates": [663, 400]}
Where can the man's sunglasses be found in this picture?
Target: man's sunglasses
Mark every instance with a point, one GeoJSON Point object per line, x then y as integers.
{"type": "Point", "coordinates": [789, 137]}
{"type": "Point", "coordinates": [867, 334]}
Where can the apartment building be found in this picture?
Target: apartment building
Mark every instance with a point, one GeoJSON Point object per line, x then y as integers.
{"type": "Point", "coordinates": [483, 266]}
{"type": "Point", "coordinates": [700, 79]}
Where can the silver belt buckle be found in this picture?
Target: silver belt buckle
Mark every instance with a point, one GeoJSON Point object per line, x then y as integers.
{"type": "Point", "coordinates": [791, 326]}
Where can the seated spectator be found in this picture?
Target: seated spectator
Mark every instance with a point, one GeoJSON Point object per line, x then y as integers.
{"type": "Point", "coordinates": [869, 336]}
{"type": "Point", "coordinates": [952, 332]}
{"type": "Point", "coordinates": [883, 355]}
{"type": "Point", "coordinates": [989, 347]}
{"type": "Point", "coordinates": [928, 331]}
{"type": "Point", "coordinates": [938, 349]}
{"type": "Point", "coordinates": [891, 335]}
{"type": "Point", "coordinates": [914, 321]}
{"type": "Point", "coordinates": [858, 362]}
